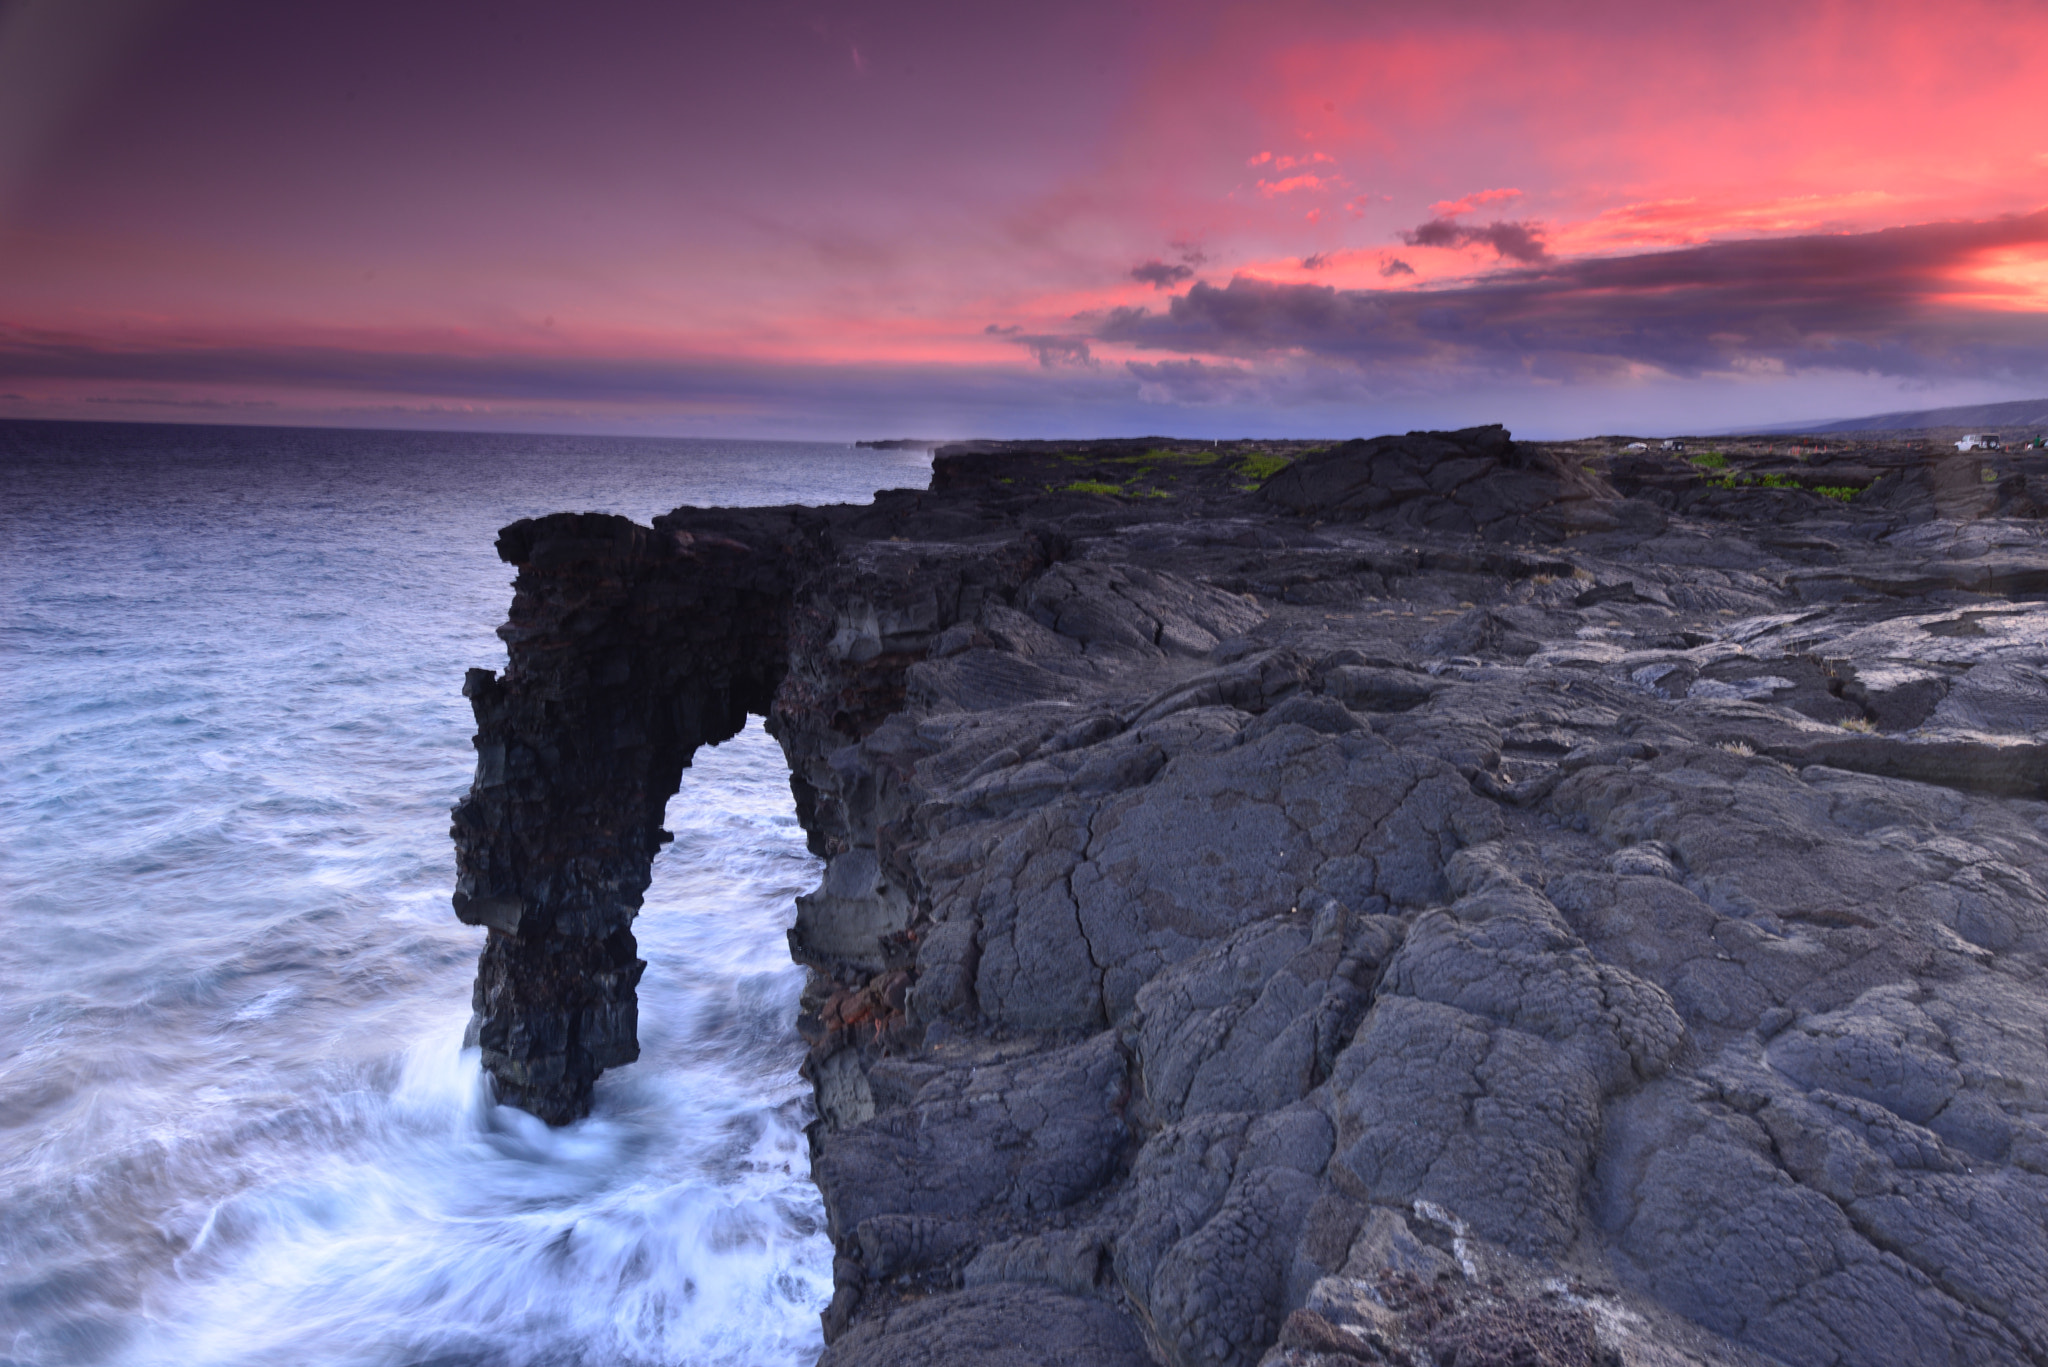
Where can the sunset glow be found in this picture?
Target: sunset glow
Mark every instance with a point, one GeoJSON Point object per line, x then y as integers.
{"type": "Point", "coordinates": [836, 220]}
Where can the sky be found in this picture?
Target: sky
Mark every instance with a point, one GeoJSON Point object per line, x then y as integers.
{"type": "Point", "coordinates": [834, 219]}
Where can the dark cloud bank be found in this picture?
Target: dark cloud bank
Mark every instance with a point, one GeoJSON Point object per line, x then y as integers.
{"type": "Point", "coordinates": [1882, 302]}
{"type": "Point", "coordinates": [1510, 241]}
{"type": "Point", "coordinates": [1161, 276]}
{"type": "Point", "coordinates": [49, 373]}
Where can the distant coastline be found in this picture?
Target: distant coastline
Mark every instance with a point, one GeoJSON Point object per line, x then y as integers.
{"type": "Point", "coordinates": [901, 444]}
{"type": "Point", "coordinates": [2024, 415]}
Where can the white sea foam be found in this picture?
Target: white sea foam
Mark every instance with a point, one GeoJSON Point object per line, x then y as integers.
{"type": "Point", "coordinates": [407, 1218]}
{"type": "Point", "coordinates": [451, 1228]}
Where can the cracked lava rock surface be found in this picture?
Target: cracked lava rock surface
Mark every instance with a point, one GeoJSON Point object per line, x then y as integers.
{"type": "Point", "coordinates": [1445, 900]}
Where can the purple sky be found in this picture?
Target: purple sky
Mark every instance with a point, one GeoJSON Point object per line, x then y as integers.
{"type": "Point", "coordinates": [847, 219]}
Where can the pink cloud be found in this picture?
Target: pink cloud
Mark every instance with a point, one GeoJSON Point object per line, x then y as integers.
{"type": "Point", "coordinates": [1288, 163]}
{"type": "Point", "coordinates": [1291, 184]}
{"type": "Point", "coordinates": [566, 171]}
{"type": "Point", "coordinates": [1451, 208]}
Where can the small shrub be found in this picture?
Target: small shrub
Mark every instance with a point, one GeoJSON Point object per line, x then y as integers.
{"type": "Point", "coordinates": [1090, 486]}
{"type": "Point", "coordinates": [1711, 460]}
{"type": "Point", "coordinates": [1861, 724]}
{"type": "Point", "coordinates": [1737, 747]}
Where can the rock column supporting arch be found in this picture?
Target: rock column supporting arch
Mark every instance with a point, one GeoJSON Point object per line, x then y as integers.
{"type": "Point", "coordinates": [629, 647]}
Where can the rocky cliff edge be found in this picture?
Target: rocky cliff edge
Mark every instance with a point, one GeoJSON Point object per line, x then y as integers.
{"type": "Point", "coordinates": [1435, 899]}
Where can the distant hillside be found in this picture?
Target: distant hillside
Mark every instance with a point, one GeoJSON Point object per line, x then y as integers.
{"type": "Point", "coordinates": [2032, 413]}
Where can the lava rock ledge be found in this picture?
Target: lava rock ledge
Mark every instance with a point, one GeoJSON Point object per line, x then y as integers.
{"type": "Point", "coordinates": [1435, 899]}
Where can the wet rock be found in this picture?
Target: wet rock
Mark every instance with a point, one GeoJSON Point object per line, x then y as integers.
{"type": "Point", "coordinates": [1002, 1325]}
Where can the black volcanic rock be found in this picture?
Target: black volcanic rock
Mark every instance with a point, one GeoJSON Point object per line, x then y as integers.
{"type": "Point", "coordinates": [1446, 899]}
{"type": "Point", "coordinates": [1476, 481]}
{"type": "Point", "coordinates": [630, 648]}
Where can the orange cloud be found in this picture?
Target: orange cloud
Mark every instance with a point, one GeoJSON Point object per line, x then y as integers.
{"type": "Point", "coordinates": [2010, 280]}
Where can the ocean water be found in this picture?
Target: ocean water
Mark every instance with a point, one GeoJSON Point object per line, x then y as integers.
{"type": "Point", "coordinates": [237, 1125]}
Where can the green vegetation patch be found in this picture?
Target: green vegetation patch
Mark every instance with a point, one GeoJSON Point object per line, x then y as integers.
{"type": "Point", "coordinates": [1160, 455]}
{"type": "Point", "coordinates": [1771, 481]}
{"type": "Point", "coordinates": [1166, 465]}
{"type": "Point", "coordinates": [1263, 465]}
{"type": "Point", "coordinates": [1711, 460]}
{"type": "Point", "coordinates": [1840, 492]}
{"type": "Point", "coordinates": [1157, 473]}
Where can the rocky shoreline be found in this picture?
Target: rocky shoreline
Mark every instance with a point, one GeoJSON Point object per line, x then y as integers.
{"type": "Point", "coordinates": [1430, 900]}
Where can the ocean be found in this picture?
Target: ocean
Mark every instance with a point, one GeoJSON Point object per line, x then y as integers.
{"type": "Point", "coordinates": [237, 1124]}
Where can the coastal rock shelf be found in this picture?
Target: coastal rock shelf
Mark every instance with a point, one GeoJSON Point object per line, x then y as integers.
{"type": "Point", "coordinates": [1430, 900]}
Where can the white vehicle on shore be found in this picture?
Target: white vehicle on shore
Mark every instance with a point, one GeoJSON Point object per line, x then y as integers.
{"type": "Point", "coordinates": [1979, 441]}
